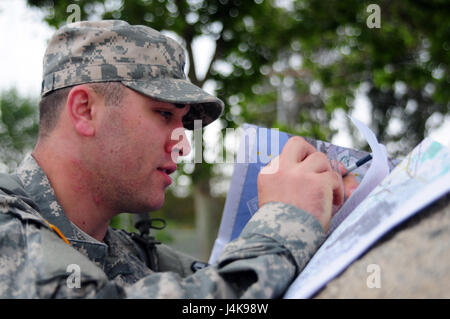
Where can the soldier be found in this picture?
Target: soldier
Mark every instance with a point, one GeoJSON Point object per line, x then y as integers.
{"type": "Point", "coordinates": [112, 94]}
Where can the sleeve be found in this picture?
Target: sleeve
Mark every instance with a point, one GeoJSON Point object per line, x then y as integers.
{"type": "Point", "coordinates": [170, 259]}
{"type": "Point", "coordinates": [272, 249]}
{"type": "Point", "coordinates": [261, 263]}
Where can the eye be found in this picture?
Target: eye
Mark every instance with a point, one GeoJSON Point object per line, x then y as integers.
{"type": "Point", "coordinates": [166, 114]}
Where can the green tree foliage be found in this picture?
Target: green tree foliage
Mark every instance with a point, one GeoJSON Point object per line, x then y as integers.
{"type": "Point", "coordinates": [293, 64]}
{"type": "Point", "coordinates": [246, 37]}
{"type": "Point", "coordinates": [403, 65]}
{"type": "Point", "coordinates": [319, 52]}
{"type": "Point", "coordinates": [18, 128]}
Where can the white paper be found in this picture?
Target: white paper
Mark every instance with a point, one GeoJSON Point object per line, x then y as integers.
{"type": "Point", "coordinates": [378, 170]}
{"type": "Point", "coordinates": [231, 206]}
{"type": "Point", "coordinates": [371, 176]}
{"type": "Point", "coordinates": [420, 179]}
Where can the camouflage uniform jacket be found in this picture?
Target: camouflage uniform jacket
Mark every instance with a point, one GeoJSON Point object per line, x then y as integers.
{"type": "Point", "coordinates": [35, 262]}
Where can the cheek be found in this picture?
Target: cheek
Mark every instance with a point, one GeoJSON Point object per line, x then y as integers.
{"type": "Point", "coordinates": [116, 151]}
{"type": "Point", "coordinates": [133, 142]}
{"type": "Point", "coordinates": [139, 153]}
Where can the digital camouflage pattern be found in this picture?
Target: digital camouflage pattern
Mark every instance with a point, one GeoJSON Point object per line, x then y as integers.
{"type": "Point", "coordinates": [138, 56]}
{"type": "Point", "coordinates": [273, 248]}
{"type": "Point", "coordinates": [36, 261]}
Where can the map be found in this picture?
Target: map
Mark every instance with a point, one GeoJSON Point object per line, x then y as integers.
{"type": "Point", "coordinates": [257, 147]}
{"type": "Point", "coordinates": [421, 178]}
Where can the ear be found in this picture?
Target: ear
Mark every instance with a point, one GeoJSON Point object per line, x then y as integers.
{"type": "Point", "coordinates": [81, 106]}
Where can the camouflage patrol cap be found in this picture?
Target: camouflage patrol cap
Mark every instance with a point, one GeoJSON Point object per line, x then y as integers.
{"type": "Point", "coordinates": [139, 57]}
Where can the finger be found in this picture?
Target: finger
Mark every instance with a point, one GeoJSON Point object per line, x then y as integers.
{"type": "Point", "coordinates": [316, 162]}
{"type": "Point", "coordinates": [350, 184]}
{"type": "Point", "coordinates": [338, 188]}
{"type": "Point", "coordinates": [272, 167]}
{"type": "Point", "coordinates": [342, 168]}
{"type": "Point", "coordinates": [296, 150]}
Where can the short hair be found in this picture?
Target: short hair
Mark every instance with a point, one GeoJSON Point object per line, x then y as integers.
{"type": "Point", "coordinates": [51, 104]}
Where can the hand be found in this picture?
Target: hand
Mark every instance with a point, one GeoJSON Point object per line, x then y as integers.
{"type": "Point", "coordinates": [303, 177]}
{"type": "Point", "coordinates": [350, 182]}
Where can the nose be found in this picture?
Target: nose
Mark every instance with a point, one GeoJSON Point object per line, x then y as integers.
{"type": "Point", "coordinates": [178, 144]}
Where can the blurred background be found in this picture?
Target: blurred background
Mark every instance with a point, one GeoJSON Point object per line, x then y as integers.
{"type": "Point", "coordinates": [298, 65]}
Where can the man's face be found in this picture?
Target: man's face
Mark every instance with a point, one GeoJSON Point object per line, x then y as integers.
{"type": "Point", "coordinates": [134, 155]}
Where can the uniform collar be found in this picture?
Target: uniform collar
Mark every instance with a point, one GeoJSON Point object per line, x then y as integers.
{"type": "Point", "coordinates": [41, 192]}
{"type": "Point", "coordinates": [117, 259]}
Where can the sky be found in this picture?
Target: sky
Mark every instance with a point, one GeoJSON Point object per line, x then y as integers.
{"type": "Point", "coordinates": [23, 38]}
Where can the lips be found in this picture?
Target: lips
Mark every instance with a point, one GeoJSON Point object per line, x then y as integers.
{"type": "Point", "coordinates": [166, 171]}
{"type": "Point", "coordinates": [169, 169]}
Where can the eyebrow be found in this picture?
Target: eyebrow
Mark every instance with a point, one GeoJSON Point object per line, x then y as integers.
{"type": "Point", "coordinates": [181, 106]}
{"type": "Point", "coordinates": [172, 106]}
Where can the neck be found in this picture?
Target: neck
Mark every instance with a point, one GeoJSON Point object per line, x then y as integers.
{"type": "Point", "coordinates": [79, 199]}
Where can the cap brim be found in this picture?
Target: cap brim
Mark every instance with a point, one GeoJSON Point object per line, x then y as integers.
{"type": "Point", "coordinates": [204, 106]}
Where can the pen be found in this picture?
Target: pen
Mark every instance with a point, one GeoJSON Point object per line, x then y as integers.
{"type": "Point", "coordinates": [359, 163]}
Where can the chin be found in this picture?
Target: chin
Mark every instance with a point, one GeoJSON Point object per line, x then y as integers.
{"type": "Point", "coordinates": [155, 204]}
{"type": "Point", "coordinates": [144, 205]}
{"type": "Point", "coordinates": [156, 207]}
